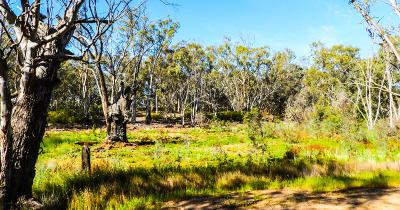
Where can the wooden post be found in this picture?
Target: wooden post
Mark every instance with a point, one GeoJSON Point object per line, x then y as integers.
{"type": "Point", "coordinates": [86, 155]}
{"type": "Point", "coordinates": [86, 158]}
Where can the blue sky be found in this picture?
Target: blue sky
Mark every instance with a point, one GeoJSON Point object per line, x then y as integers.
{"type": "Point", "coordinates": [279, 24]}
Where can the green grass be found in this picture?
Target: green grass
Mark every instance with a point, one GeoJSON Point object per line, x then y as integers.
{"type": "Point", "coordinates": [214, 161]}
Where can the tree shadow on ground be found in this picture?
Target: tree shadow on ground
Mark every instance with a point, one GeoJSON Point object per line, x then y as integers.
{"type": "Point", "coordinates": [177, 184]}
{"type": "Point", "coordinates": [361, 198]}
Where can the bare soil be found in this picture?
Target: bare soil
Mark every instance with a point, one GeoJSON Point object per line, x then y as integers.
{"type": "Point", "coordinates": [374, 199]}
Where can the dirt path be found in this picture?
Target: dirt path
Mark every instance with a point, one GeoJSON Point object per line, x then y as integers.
{"type": "Point", "coordinates": [374, 199]}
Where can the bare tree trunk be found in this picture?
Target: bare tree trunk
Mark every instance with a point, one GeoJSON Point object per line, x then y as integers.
{"type": "Point", "coordinates": [391, 101]}
{"type": "Point", "coordinates": [119, 115]}
{"type": "Point", "coordinates": [101, 83]}
{"type": "Point", "coordinates": [85, 94]}
{"type": "Point", "coordinates": [135, 88]}
{"type": "Point", "coordinates": [148, 110]}
{"type": "Point", "coordinates": [388, 71]}
{"type": "Point", "coordinates": [133, 107]}
{"type": "Point", "coordinates": [148, 100]}
{"type": "Point", "coordinates": [156, 101]}
{"type": "Point", "coordinates": [367, 101]}
{"type": "Point", "coordinates": [5, 137]}
{"type": "Point", "coordinates": [183, 117]}
{"type": "Point", "coordinates": [178, 105]}
{"type": "Point", "coordinates": [194, 112]}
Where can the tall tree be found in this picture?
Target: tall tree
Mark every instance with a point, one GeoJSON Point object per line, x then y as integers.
{"type": "Point", "coordinates": [389, 38]}
{"type": "Point", "coordinates": [162, 33]}
{"type": "Point", "coordinates": [41, 43]}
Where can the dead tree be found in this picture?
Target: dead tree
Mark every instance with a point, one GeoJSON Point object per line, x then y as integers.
{"type": "Point", "coordinates": [108, 61]}
{"type": "Point", "coordinates": [119, 114]}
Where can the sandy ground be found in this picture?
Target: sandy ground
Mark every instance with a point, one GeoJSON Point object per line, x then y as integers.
{"type": "Point", "coordinates": [374, 199]}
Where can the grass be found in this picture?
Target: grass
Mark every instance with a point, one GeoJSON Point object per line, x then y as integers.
{"type": "Point", "coordinates": [205, 162]}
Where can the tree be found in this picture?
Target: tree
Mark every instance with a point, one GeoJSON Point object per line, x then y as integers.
{"type": "Point", "coordinates": [369, 93]}
{"type": "Point", "coordinates": [162, 33]}
{"type": "Point", "coordinates": [244, 70]}
{"type": "Point", "coordinates": [390, 44]}
{"type": "Point", "coordinates": [337, 60]}
{"type": "Point", "coordinates": [106, 60]}
{"type": "Point", "coordinates": [139, 31]}
{"type": "Point", "coordinates": [40, 43]}
{"type": "Point", "coordinates": [282, 81]}
{"type": "Point", "coordinates": [192, 64]}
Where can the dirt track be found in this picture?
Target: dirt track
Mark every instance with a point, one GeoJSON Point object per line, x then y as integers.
{"type": "Point", "coordinates": [374, 199]}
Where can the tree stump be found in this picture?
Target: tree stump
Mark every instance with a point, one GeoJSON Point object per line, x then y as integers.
{"type": "Point", "coordinates": [86, 155]}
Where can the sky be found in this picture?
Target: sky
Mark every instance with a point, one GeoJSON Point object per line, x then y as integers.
{"type": "Point", "coordinates": [278, 24]}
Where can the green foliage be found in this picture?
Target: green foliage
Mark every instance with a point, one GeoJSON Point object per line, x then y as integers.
{"type": "Point", "coordinates": [230, 116]}
{"type": "Point", "coordinates": [65, 117]}
{"type": "Point", "coordinates": [329, 118]}
{"type": "Point", "coordinates": [338, 61]}
{"type": "Point", "coordinates": [252, 120]}
{"type": "Point", "coordinates": [187, 163]}
{"type": "Point", "coordinates": [157, 116]}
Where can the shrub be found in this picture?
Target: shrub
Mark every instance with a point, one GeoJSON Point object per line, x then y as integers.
{"type": "Point", "coordinates": [65, 117]}
{"type": "Point", "coordinates": [255, 132]}
{"type": "Point", "coordinates": [187, 116]}
{"type": "Point", "coordinates": [330, 119]}
{"type": "Point", "coordinates": [157, 116]}
{"type": "Point", "coordinates": [230, 116]}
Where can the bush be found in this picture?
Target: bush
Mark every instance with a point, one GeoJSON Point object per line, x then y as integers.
{"type": "Point", "coordinates": [255, 132]}
{"type": "Point", "coordinates": [230, 116]}
{"type": "Point", "coordinates": [65, 117]}
{"type": "Point", "coordinates": [157, 117]}
{"type": "Point", "coordinates": [331, 119]}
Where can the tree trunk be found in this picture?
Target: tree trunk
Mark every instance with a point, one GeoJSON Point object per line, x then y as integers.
{"type": "Point", "coordinates": [392, 108]}
{"type": "Point", "coordinates": [183, 117]}
{"type": "Point", "coordinates": [133, 107]}
{"type": "Point", "coordinates": [156, 101]}
{"type": "Point", "coordinates": [388, 71]}
{"type": "Point", "coordinates": [85, 95]}
{"type": "Point", "coordinates": [28, 123]}
{"type": "Point", "coordinates": [5, 137]}
{"type": "Point", "coordinates": [120, 117]}
{"type": "Point", "coordinates": [86, 159]}
{"type": "Point", "coordinates": [148, 100]}
{"type": "Point", "coordinates": [148, 111]}
{"type": "Point", "coordinates": [101, 83]}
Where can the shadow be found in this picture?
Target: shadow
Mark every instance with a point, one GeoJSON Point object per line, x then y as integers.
{"type": "Point", "coordinates": [197, 184]}
{"type": "Point", "coordinates": [364, 198]}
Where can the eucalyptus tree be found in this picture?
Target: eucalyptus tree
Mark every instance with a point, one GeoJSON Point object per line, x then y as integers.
{"type": "Point", "coordinates": [75, 98]}
{"type": "Point", "coordinates": [338, 60]}
{"type": "Point", "coordinates": [214, 97]}
{"type": "Point", "coordinates": [193, 64]}
{"type": "Point", "coordinates": [243, 68]}
{"type": "Point", "coordinates": [170, 81]}
{"type": "Point", "coordinates": [388, 35]}
{"type": "Point", "coordinates": [369, 95]}
{"type": "Point", "coordinates": [282, 81]}
{"type": "Point", "coordinates": [161, 33]}
{"type": "Point", "coordinates": [139, 29]}
{"type": "Point", "coordinates": [40, 34]}
{"type": "Point", "coordinates": [375, 28]}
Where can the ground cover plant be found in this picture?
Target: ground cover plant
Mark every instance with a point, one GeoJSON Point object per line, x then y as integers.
{"type": "Point", "coordinates": [214, 161]}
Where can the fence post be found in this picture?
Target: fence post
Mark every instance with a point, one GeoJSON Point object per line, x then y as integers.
{"type": "Point", "coordinates": [86, 167]}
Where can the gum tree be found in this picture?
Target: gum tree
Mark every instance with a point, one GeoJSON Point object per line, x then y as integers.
{"type": "Point", "coordinates": [39, 36]}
